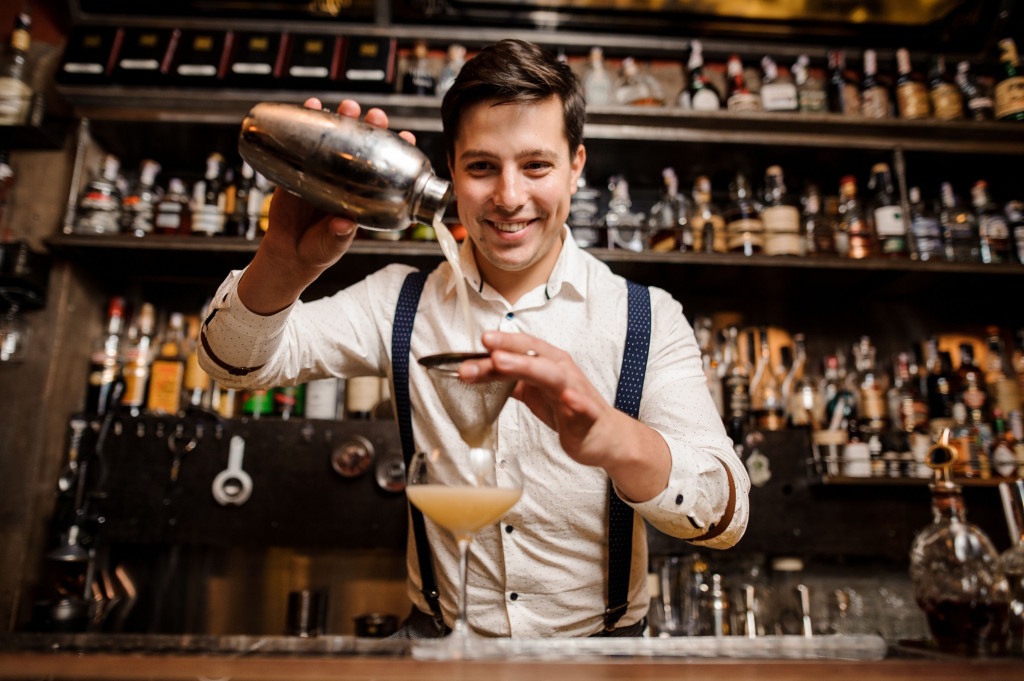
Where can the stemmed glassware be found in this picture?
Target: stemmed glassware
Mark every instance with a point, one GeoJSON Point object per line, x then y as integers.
{"type": "Point", "coordinates": [464, 499]}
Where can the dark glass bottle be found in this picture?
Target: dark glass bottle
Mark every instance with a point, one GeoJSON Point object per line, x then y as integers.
{"type": "Point", "coordinates": [1010, 88]}
{"type": "Point", "coordinates": [843, 93]}
{"type": "Point", "coordinates": [976, 96]}
{"type": "Point", "coordinates": [911, 94]}
{"type": "Point", "coordinates": [947, 102]}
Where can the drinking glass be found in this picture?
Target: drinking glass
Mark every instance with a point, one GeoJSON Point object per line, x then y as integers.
{"type": "Point", "coordinates": [462, 503]}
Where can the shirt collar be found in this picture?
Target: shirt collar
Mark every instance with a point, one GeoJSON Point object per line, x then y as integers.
{"type": "Point", "coordinates": [569, 270]}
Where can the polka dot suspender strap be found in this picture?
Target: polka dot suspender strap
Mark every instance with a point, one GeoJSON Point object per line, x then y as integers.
{"type": "Point", "coordinates": [401, 336]}
{"type": "Point", "coordinates": [627, 400]}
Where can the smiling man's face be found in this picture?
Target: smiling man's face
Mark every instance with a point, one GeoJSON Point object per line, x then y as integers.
{"type": "Point", "coordinates": [514, 178]}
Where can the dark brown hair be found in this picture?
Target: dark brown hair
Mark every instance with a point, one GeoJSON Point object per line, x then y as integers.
{"type": "Point", "coordinates": [514, 71]}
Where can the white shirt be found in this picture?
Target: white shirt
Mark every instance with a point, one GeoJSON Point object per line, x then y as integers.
{"type": "Point", "coordinates": [546, 576]}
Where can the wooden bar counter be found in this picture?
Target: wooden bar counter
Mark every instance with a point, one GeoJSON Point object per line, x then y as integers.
{"type": "Point", "coordinates": [347, 659]}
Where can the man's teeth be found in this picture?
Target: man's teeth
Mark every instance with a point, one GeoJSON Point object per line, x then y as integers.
{"type": "Point", "coordinates": [509, 226]}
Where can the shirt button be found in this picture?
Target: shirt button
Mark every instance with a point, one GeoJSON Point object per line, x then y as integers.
{"type": "Point", "coordinates": [510, 315]}
{"type": "Point", "coordinates": [513, 596]}
{"type": "Point", "coordinates": [508, 529]}
{"type": "Point", "coordinates": [679, 499]}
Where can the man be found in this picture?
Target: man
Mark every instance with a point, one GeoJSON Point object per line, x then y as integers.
{"type": "Point", "coordinates": [557, 321]}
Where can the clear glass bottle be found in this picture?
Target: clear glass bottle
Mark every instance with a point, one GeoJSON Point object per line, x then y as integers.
{"type": "Point", "coordinates": [977, 99]}
{"type": "Point", "coordinates": [780, 218]}
{"type": "Point", "coordinates": [1011, 562]}
{"type": "Point", "coordinates": [766, 400]}
{"type": "Point", "coordinates": [138, 207]}
{"type": "Point", "coordinates": [946, 100]}
{"type": "Point", "coordinates": [597, 84]}
{"type": "Point", "coordinates": [925, 230]}
{"type": "Point", "coordinates": [1009, 99]}
{"type": "Point", "coordinates": [708, 225]}
{"type": "Point", "coordinates": [993, 232]}
{"type": "Point", "coordinates": [99, 206]}
{"type": "Point", "coordinates": [700, 93]}
{"type": "Point", "coordinates": [637, 88]}
{"type": "Point", "coordinates": [456, 60]}
{"type": "Point", "coordinates": [810, 89]}
{"type": "Point", "coordinates": [739, 97]}
{"type": "Point", "coordinates": [959, 228]}
{"type": "Point", "coordinates": [874, 95]}
{"type": "Point", "coordinates": [625, 227]}
{"type": "Point", "coordinates": [1001, 385]}
{"type": "Point", "coordinates": [955, 572]}
{"type": "Point", "coordinates": [669, 220]}
{"type": "Point", "coordinates": [15, 76]}
{"type": "Point", "coordinates": [736, 386]}
{"type": "Point", "coordinates": [887, 213]}
{"type": "Point", "coordinates": [138, 357]}
{"type": "Point", "coordinates": [743, 226]}
{"type": "Point", "coordinates": [419, 79]}
{"type": "Point", "coordinates": [843, 93]}
{"type": "Point", "coordinates": [105, 359]}
{"type": "Point", "coordinates": [818, 235]}
{"type": "Point", "coordinates": [174, 210]}
{"type": "Point", "coordinates": [777, 93]}
{"type": "Point", "coordinates": [854, 235]}
{"type": "Point", "coordinates": [911, 94]}
{"type": "Point", "coordinates": [585, 215]}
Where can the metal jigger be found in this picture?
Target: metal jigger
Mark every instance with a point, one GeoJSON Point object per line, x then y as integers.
{"type": "Point", "coordinates": [473, 408]}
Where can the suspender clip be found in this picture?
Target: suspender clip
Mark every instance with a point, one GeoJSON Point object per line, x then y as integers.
{"type": "Point", "coordinates": [612, 615]}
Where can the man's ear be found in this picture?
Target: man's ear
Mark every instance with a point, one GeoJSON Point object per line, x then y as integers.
{"type": "Point", "coordinates": [579, 161]}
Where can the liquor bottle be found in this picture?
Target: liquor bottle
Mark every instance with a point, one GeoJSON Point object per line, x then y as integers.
{"type": "Point", "coordinates": [975, 94]}
{"type": "Point", "coordinates": [743, 227]}
{"type": "Point", "coordinates": [584, 215]}
{"type": "Point", "coordinates": [941, 385]}
{"type": "Point", "coordinates": [597, 84]}
{"type": "Point", "coordinates": [1009, 99]}
{"type": "Point", "coordinates": [196, 383]}
{"type": "Point", "coordinates": [138, 207]}
{"type": "Point", "coordinates": [843, 93]}
{"type": "Point", "coordinates": [993, 232]}
{"type": "Point", "coordinates": [854, 236]}
{"type": "Point", "coordinates": [174, 210]}
{"type": "Point", "coordinates": [669, 221]}
{"type": "Point", "coordinates": [707, 221]}
{"type": "Point", "coordinates": [238, 219]}
{"type": "Point", "coordinates": [15, 78]}
{"type": "Point", "coordinates": [451, 69]}
{"type": "Point", "coordinates": [625, 228]}
{"type": "Point", "coordinates": [362, 393]}
{"type": "Point", "coordinates": [874, 95]}
{"type": "Point", "coordinates": [959, 228]}
{"type": "Point", "coordinates": [739, 97]}
{"type": "Point", "coordinates": [636, 88]}
{"type": "Point", "coordinates": [887, 213]}
{"type": "Point", "coordinates": [911, 409]}
{"type": "Point", "coordinates": [805, 404]}
{"type": "Point", "coordinates": [1014, 212]}
{"type": "Point", "coordinates": [766, 400]}
{"type": "Point", "coordinates": [1017, 362]}
{"type": "Point", "coordinates": [946, 100]}
{"type": "Point", "coordinates": [289, 401]}
{"type": "Point", "coordinates": [257, 402]}
{"type": "Point", "coordinates": [699, 94]}
{"type": "Point", "coordinates": [1011, 561]}
{"type": "Point", "coordinates": [99, 207]}
{"type": "Point", "coordinates": [167, 372]}
{"type": "Point", "coordinates": [208, 199]}
{"type": "Point", "coordinates": [925, 230]}
{"type": "Point", "coordinates": [1002, 456]}
{"type": "Point", "coordinates": [954, 570]}
{"type": "Point", "coordinates": [321, 399]}
{"type": "Point", "coordinates": [818, 236]}
{"type": "Point", "coordinates": [1002, 388]}
{"type": "Point", "coordinates": [105, 360]}
{"type": "Point", "coordinates": [971, 388]}
{"type": "Point", "coordinates": [777, 93]}
{"type": "Point", "coordinates": [7, 180]}
{"type": "Point", "coordinates": [810, 90]}
{"type": "Point", "coordinates": [871, 387]}
{"type": "Point", "coordinates": [911, 93]}
{"type": "Point", "coordinates": [419, 80]}
{"type": "Point", "coordinates": [704, 335]}
{"type": "Point", "coordinates": [780, 219]}
{"type": "Point", "coordinates": [840, 401]}
{"type": "Point", "coordinates": [736, 386]}
{"type": "Point", "coordinates": [137, 360]}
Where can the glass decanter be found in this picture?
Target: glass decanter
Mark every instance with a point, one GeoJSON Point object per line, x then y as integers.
{"type": "Point", "coordinates": [1012, 561]}
{"type": "Point", "coordinates": [955, 571]}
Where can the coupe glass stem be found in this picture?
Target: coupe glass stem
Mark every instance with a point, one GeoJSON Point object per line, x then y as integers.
{"type": "Point", "coordinates": [461, 627]}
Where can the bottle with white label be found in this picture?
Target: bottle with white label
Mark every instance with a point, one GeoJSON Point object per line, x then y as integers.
{"type": "Point", "coordinates": [99, 207]}
{"type": "Point", "coordinates": [322, 399]}
{"type": "Point", "coordinates": [174, 210]}
{"type": "Point", "coordinates": [993, 232]}
{"type": "Point", "coordinates": [925, 231]}
{"type": "Point", "coordinates": [139, 205]}
{"type": "Point", "coordinates": [209, 200]}
{"type": "Point", "coordinates": [874, 95]}
{"type": "Point", "coordinates": [810, 89]}
{"type": "Point", "coordinates": [886, 213]}
{"type": "Point", "coordinates": [699, 94]}
{"type": "Point", "coordinates": [597, 84]}
{"type": "Point", "coordinates": [777, 93]}
{"type": "Point", "coordinates": [780, 218]}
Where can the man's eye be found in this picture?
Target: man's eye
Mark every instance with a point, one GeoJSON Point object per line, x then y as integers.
{"type": "Point", "coordinates": [537, 166]}
{"type": "Point", "coordinates": [478, 167]}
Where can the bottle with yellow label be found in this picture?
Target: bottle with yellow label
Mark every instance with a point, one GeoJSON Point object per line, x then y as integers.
{"type": "Point", "coordinates": [1010, 88]}
{"type": "Point", "coordinates": [167, 373]}
{"type": "Point", "coordinates": [911, 94]}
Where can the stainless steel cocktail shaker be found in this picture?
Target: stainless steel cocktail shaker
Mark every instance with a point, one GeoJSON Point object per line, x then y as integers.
{"type": "Point", "coordinates": [343, 166]}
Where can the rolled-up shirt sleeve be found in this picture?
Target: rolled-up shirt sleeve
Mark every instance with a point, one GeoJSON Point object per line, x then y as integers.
{"type": "Point", "coordinates": [708, 484]}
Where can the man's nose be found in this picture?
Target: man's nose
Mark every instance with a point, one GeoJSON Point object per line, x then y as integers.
{"type": "Point", "coordinates": [508, 193]}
